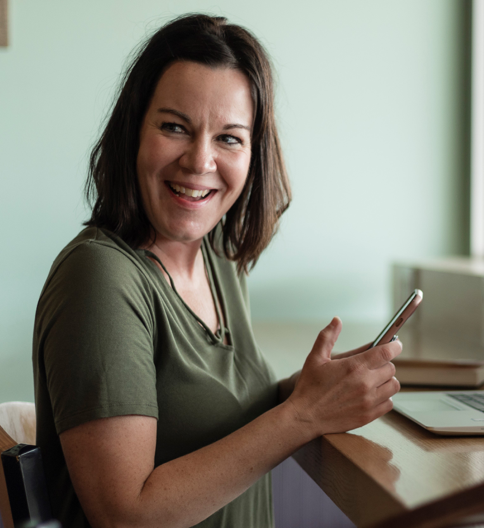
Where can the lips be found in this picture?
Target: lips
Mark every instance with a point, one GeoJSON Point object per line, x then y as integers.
{"type": "Point", "coordinates": [189, 194]}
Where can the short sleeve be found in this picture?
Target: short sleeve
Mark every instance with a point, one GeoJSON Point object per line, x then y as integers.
{"type": "Point", "coordinates": [97, 337]}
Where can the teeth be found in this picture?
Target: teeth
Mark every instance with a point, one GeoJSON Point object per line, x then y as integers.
{"type": "Point", "coordinates": [189, 192]}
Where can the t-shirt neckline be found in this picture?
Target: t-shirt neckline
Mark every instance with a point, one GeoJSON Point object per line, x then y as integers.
{"type": "Point", "coordinates": [223, 330]}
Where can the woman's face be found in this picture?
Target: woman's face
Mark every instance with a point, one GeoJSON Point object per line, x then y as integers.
{"type": "Point", "coordinates": [195, 148]}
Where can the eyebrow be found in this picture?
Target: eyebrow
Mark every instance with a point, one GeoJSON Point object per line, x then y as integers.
{"type": "Point", "coordinates": [185, 118]}
{"type": "Point", "coordinates": [236, 125]}
{"type": "Point", "coordinates": [181, 115]}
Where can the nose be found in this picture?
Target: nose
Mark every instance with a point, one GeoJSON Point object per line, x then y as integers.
{"type": "Point", "coordinates": [198, 158]}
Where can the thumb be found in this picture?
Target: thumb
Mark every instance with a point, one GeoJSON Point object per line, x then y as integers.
{"type": "Point", "coordinates": [321, 351]}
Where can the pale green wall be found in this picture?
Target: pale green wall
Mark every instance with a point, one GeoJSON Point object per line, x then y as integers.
{"type": "Point", "coordinates": [372, 110]}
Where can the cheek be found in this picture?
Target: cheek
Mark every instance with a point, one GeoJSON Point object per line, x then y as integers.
{"type": "Point", "coordinates": [157, 153]}
{"type": "Point", "coordinates": [148, 156]}
{"type": "Point", "coordinates": [148, 165]}
{"type": "Point", "coordinates": [237, 168]}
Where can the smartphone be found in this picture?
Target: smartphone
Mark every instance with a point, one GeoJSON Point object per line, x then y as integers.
{"type": "Point", "coordinates": [388, 334]}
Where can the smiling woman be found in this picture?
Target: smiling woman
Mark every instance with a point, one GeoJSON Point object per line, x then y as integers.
{"type": "Point", "coordinates": [155, 406]}
{"type": "Point", "coordinates": [233, 55]}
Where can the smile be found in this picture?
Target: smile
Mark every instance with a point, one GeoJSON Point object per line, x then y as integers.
{"type": "Point", "coordinates": [186, 192]}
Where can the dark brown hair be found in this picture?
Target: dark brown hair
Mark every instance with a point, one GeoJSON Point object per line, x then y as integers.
{"type": "Point", "coordinates": [112, 181]}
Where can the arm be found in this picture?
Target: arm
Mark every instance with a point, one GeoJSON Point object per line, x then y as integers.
{"type": "Point", "coordinates": [111, 460]}
{"type": "Point", "coordinates": [111, 465]}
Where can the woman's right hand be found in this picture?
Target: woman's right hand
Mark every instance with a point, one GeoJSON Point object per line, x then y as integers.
{"type": "Point", "coordinates": [337, 395]}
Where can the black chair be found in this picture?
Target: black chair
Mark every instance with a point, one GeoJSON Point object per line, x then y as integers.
{"type": "Point", "coordinates": [24, 500]}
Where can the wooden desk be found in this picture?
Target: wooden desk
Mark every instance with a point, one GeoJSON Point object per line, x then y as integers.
{"type": "Point", "coordinates": [392, 467]}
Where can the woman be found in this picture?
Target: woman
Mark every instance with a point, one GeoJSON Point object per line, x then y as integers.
{"type": "Point", "coordinates": [154, 405]}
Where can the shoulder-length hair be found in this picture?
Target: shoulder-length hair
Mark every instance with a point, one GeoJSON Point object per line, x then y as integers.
{"type": "Point", "coordinates": [112, 185]}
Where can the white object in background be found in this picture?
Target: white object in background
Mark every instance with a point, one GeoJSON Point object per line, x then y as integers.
{"type": "Point", "coordinates": [477, 131]}
{"type": "Point", "coordinates": [451, 319]}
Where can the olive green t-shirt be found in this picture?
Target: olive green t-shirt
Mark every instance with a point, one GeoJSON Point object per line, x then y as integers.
{"type": "Point", "coordinates": [112, 337]}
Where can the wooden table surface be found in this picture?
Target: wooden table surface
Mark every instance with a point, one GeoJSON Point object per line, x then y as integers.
{"type": "Point", "coordinates": [392, 467]}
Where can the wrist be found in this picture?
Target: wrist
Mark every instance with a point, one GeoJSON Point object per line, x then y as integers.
{"type": "Point", "coordinates": [297, 422]}
{"type": "Point", "coordinates": [286, 387]}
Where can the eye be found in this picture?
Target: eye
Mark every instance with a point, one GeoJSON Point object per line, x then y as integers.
{"type": "Point", "coordinates": [230, 140]}
{"type": "Point", "coordinates": [174, 128]}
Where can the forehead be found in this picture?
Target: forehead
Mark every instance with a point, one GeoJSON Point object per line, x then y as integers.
{"type": "Point", "coordinates": [202, 92]}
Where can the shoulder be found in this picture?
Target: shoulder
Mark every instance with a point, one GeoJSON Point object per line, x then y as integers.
{"type": "Point", "coordinates": [96, 248]}
{"type": "Point", "coordinates": [98, 256]}
{"type": "Point", "coordinates": [97, 276]}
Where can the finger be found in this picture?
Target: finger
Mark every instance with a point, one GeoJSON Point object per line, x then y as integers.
{"type": "Point", "coordinates": [325, 341]}
{"type": "Point", "coordinates": [384, 407]}
{"type": "Point", "coordinates": [353, 352]}
{"type": "Point", "coordinates": [383, 374]}
{"type": "Point", "coordinates": [379, 409]}
{"type": "Point", "coordinates": [381, 354]}
{"type": "Point", "coordinates": [387, 390]}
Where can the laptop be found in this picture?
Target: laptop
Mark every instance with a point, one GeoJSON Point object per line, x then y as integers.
{"type": "Point", "coordinates": [444, 413]}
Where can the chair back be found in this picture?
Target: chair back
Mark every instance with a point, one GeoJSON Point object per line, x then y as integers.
{"type": "Point", "coordinates": [18, 421]}
{"type": "Point", "coordinates": [18, 426]}
{"type": "Point", "coordinates": [6, 519]}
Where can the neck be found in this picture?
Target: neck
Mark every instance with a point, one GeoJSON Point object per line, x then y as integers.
{"type": "Point", "coordinates": [181, 259]}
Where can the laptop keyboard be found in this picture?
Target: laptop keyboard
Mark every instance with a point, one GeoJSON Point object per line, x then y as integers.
{"type": "Point", "coordinates": [476, 401]}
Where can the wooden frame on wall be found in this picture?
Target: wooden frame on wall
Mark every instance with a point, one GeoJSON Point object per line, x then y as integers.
{"type": "Point", "coordinates": [3, 23]}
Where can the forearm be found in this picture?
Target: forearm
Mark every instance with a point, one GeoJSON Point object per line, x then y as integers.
{"type": "Point", "coordinates": [184, 491]}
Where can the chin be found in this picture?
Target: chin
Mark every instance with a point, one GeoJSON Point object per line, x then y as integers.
{"type": "Point", "coordinates": [179, 229]}
{"type": "Point", "coordinates": [185, 235]}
